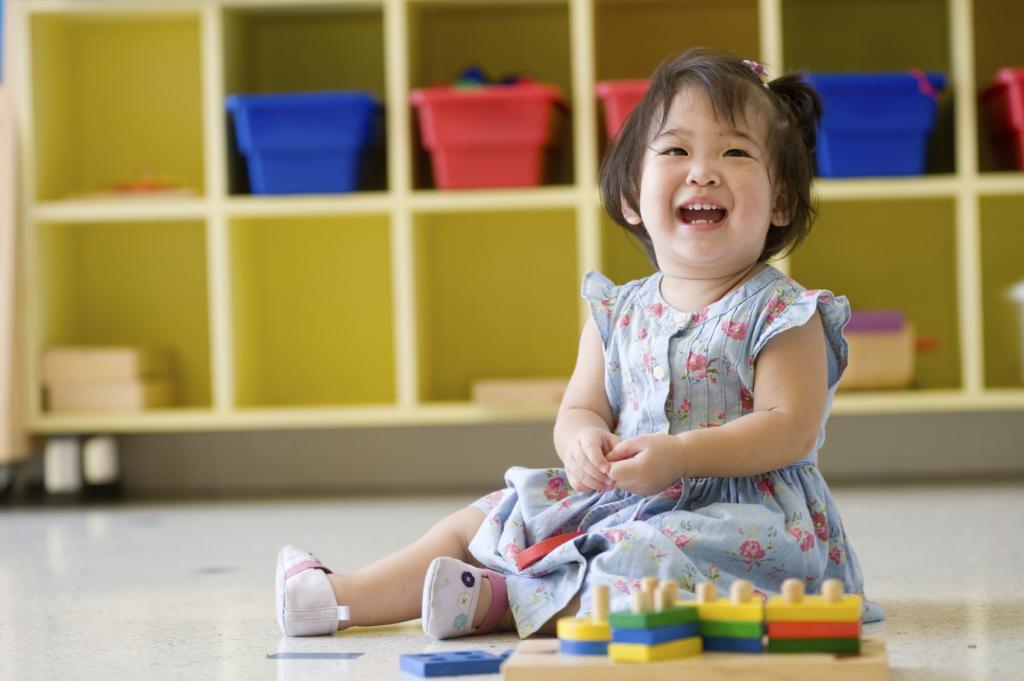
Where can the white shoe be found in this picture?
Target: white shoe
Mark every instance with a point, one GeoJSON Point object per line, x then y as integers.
{"type": "Point", "coordinates": [305, 599]}
{"type": "Point", "coordinates": [451, 590]}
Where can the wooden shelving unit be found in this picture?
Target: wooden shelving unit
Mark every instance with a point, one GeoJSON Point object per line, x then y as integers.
{"type": "Point", "coordinates": [382, 306]}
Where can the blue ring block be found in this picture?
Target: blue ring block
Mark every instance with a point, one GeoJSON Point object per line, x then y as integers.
{"type": "Point", "coordinates": [450, 664]}
{"type": "Point", "coordinates": [720, 644]}
{"type": "Point", "coordinates": [657, 635]}
{"type": "Point", "coordinates": [570, 647]}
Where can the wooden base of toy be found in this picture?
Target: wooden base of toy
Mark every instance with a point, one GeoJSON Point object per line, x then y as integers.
{"type": "Point", "coordinates": [539, 660]}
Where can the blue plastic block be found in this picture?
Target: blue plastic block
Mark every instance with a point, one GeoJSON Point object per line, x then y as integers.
{"type": "Point", "coordinates": [720, 644]}
{"type": "Point", "coordinates": [875, 123]}
{"type": "Point", "coordinates": [451, 664]}
{"type": "Point", "coordinates": [569, 647]}
{"type": "Point", "coordinates": [303, 143]}
{"type": "Point", "coordinates": [656, 635]}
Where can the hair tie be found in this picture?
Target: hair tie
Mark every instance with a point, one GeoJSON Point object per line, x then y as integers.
{"type": "Point", "coordinates": [758, 70]}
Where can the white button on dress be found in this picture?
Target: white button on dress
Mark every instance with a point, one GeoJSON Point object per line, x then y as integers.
{"type": "Point", "coordinates": [659, 373]}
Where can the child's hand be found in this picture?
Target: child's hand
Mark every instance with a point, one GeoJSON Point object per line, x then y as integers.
{"type": "Point", "coordinates": [586, 464]}
{"type": "Point", "coordinates": [647, 464]}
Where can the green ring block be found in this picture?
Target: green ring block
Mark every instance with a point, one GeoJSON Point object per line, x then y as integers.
{"type": "Point", "coordinates": [732, 629]}
{"type": "Point", "coordinates": [648, 620]}
{"type": "Point", "coordinates": [814, 645]}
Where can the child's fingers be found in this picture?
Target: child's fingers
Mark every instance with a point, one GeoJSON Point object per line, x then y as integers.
{"type": "Point", "coordinates": [595, 457]}
{"type": "Point", "coordinates": [576, 483]}
{"type": "Point", "coordinates": [626, 449]}
{"type": "Point", "coordinates": [593, 473]}
{"type": "Point", "coordinates": [589, 481]}
{"type": "Point", "coordinates": [623, 473]}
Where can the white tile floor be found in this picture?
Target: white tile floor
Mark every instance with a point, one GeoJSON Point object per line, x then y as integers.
{"type": "Point", "coordinates": [184, 591]}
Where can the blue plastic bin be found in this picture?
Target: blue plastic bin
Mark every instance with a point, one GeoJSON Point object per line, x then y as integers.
{"type": "Point", "coordinates": [303, 143]}
{"type": "Point", "coordinates": [875, 123]}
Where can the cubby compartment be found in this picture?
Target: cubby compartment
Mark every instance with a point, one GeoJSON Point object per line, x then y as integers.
{"type": "Point", "coordinates": [503, 39]}
{"type": "Point", "coordinates": [893, 255]}
{"type": "Point", "coordinates": [117, 103]}
{"type": "Point", "coordinates": [997, 43]}
{"type": "Point", "coordinates": [129, 284]}
{"type": "Point", "coordinates": [312, 311]}
{"type": "Point", "coordinates": [622, 257]}
{"type": "Point", "coordinates": [307, 48]}
{"type": "Point", "coordinates": [631, 37]}
{"type": "Point", "coordinates": [497, 297]}
{"type": "Point", "coordinates": [1002, 266]}
{"type": "Point", "coordinates": [874, 36]}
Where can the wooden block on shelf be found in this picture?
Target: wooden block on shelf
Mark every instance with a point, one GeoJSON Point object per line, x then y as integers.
{"type": "Point", "coordinates": [110, 396]}
{"type": "Point", "coordinates": [882, 351]}
{"type": "Point", "coordinates": [539, 660]}
{"type": "Point", "coordinates": [516, 393]}
{"type": "Point", "coordinates": [64, 365]}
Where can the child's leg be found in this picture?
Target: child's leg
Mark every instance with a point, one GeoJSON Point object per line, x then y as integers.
{"type": "Point", "coordinates": [391, 589]}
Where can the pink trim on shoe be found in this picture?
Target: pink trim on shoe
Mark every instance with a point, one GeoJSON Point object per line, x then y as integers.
{"type": "Point", "coordinates": [499, 603]}
{"type": "Point", "coordinates": [303, 566]}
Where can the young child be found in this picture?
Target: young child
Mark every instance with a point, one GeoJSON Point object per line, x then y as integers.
{"type": "Point", "coordinates": [691, 424]}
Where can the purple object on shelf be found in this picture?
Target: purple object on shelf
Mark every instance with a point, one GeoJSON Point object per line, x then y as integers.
{"type": "Point", "coordinates": [876, 320]}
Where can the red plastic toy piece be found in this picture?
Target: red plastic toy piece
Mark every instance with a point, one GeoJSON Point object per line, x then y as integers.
{"type": "Point", "coordinates": [531, 555]}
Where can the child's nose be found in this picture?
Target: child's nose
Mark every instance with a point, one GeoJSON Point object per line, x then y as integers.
{"type": "Point", "coordinates": [702, 174]}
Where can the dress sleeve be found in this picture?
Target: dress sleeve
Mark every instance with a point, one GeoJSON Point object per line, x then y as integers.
{"type": "Point", "coordinates": [788, 309]}
{"type": "Point", "coordinates": [602, 295]}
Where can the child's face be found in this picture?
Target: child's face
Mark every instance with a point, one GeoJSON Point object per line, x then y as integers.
{"type": "Point", "coordinates": [697, 160]}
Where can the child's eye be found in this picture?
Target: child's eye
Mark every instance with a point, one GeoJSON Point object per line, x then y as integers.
{"type": "Point", "coordinates": [736, 152]}
{"type": "Point", "coordinates": [674, 151]}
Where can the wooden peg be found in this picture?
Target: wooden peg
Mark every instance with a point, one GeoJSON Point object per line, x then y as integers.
{"type": "Point", "coordinates": [649, 584]}
{"type": "Point", "coordinates": [671, 589]}
{"type": "Point", "coordinates": [741, 592]}
{"type": "Point", "coordinates": [706, 592]}
{"type": "Point", "coordinates": [792, 590]}
{"type": "Point", "coordinates": [599, 605]}
{"type": "Point", "coordinates": [660, 604]}
{"type": "Point", "coordinates": [643, 601]}
{"type": "Point", "coordinates": [832, 590]}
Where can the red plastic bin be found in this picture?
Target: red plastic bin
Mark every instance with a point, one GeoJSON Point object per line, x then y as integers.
{"type": "Point", "coordinates": [491, 136]}
{"type": "Point", "coordinates": [620, 97]}
{"type": "Point", "coordinates": [1004, 104]}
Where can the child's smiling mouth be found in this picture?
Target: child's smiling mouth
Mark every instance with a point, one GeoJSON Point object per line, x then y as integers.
{"type": "Point", "coordinates": [700, 213]}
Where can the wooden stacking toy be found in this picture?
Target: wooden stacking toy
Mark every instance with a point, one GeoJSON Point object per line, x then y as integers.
{"type": "Point", "coordinates": [657, 627]}
{"type": "Point", "coordinates": [734, 624]}
{"type": "Point", "coordinates": [587, 635]}
{"type": "Point", "coordinates": [829, 623]}
{"type": "Point", "coordinates": [710, 639]}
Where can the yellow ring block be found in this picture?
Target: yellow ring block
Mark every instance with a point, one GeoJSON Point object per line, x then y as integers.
{"type": "Point", "coordinates": [813, 609]}
{"type": "Point", "coordinates": [638, 652]}
{"type": "Point", "coordinates": [583, 629]}
{"type": "Point", "coordinates": [723, 610]}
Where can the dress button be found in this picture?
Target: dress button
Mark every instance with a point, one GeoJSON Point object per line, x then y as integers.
{"type": "Point", "coordinates": [682, 319]}
{"type": "Point", "coordinates": [659, 373]}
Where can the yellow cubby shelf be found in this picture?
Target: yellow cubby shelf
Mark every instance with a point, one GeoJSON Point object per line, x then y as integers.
{"type": "Point", "coordinates": [462, 413]}
{"type": "Point", "coordinates": [115, 98]}
{"type": "Point", "coordinates": [140, 209]}
{"type": "Point", "coordinates": [519, 317]}
{"type": "Point", "coordinates": [382, 306]}
{"type": "Point", "coordinates": [356, 203]}
{"type": "Point", "coordinates": [122, 283]}
{"type": "Point", "coordinates": [312, 311]}
{"type": "Point", "coordinates": [444, 201]}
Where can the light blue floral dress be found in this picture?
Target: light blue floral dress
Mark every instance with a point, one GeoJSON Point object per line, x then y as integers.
{"type": "Point", "coordinates": [668, 371]}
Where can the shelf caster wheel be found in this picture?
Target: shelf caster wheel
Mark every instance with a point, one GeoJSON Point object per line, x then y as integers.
{"type": "Point", "coordinates": [62, 466]}
{"type": "Point", "coordinates": [100, 466]}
